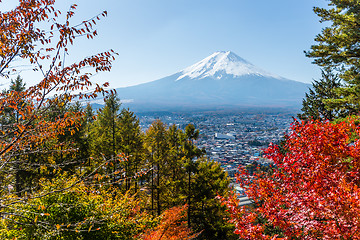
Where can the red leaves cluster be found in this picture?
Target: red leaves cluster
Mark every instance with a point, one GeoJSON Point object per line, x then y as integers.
{"type": "Point", "coordinates": [33, 32]}
{"type": "Point", "coordinates": [313, 192]}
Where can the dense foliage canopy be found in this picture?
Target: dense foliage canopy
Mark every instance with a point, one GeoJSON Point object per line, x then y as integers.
{"type": "Point", "coordinates": [312, 193]}
{"type": "Point", "coordinates": [338, 49]}
{"type": "Point", "coordinates": [316, 105]}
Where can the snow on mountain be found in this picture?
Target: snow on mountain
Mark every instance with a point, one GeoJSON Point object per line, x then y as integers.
{"type": "Point", "coordinates": [221, 63]}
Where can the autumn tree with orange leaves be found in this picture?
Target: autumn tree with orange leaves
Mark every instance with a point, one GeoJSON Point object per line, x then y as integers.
{"type": "Point", "coordinates": [312, 193]}
{"type": "Point", "coordinates": [34, 133]}
{"type": "Point", "coordinates": [173, 226]}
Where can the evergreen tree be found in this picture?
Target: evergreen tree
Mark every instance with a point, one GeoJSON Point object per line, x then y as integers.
{"type": "Point", "coordinates": [315, 102]}
{"type": "Point", "coordinates": [31, 165]}
{"type": "Point", "coordinates": [157, 146]}
{"type": "Point", "coordinates": [191, 152]}
{"type": "Point", "coordinates": [89, 117]}
{"type": "Point", "coordinates": [338, 48]}
{"type": "Point", "coordinates": [208, 215]}
{"type": "Point", "coordinates": [66, 151]}
{"type": "Point", "coordinates": [104, 135]}
{"type": "Point", "coordinates": [131, 144]}
{"type": "Point", "coordinates": [176, 175]}
{"type": "Point", "coordinates": [17, 85]}
{"type": "Point", "coordinates": [79, 136]}
{"type": "Point", "coordinates": [70, 139]}
{"type": "Point", "coordinates": [9, 117]}
{"type": "Point", "coordinates": [179, 174]}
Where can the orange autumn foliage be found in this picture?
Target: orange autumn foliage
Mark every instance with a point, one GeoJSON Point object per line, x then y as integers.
{"type": "Point", "coordinates": [45, 50]}
{"type": "Point", "coordinates": [36, 34]}
{"type": "Point", "coordinates": [171, 227]}
{"type": "Point", "coordinates": [313, 191]}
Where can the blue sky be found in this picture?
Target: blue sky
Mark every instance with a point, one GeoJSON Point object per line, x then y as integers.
{"type": "Point", "coordinates": [156, 38]}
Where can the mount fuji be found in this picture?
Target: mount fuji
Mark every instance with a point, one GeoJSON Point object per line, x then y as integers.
{"type": "Point", "coordinates": [222, 80]}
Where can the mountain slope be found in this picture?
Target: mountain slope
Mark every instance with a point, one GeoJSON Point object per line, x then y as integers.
{"type": "Point", "coordinates": [220, 80]}
{"type": "Point", "coordinates": [220, 64]}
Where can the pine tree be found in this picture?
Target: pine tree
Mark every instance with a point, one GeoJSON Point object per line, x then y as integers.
{"type": "Point", "coordinates": [88, 119]}
{"type": "Point", "coordinates": [105, 135]}
{"type": "Point", "coordinates": [79, 137]}
{"type": "Point", "coordinates": [208, 215]}
{"type": "Point", "coordinates": [315, 103]}
{"type": "Point", "coordinates": [9, 117]}
{"type": "Point", "coordinates": [176, 175]}
{"type": "Point", "coordinates": [131, 144]}
{"type": "Point", "coordinates": [105, 138]}
{"type": "Point", "coordinates": [157, 147]}
{"type": "Point", "coordinates": [179, 174]}
{"type": "Point", "coordinates": [89, 116]}
{"type": "Point", "coordinates": [338, 48]}
{"type": "Point", "coordinates": [191, 152]}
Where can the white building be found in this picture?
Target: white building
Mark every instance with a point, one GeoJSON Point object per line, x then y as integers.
{"type": "Point", "coordinates": [224, 136]}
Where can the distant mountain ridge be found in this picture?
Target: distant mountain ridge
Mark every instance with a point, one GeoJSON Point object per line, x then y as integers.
{"type": "Point", "coordinates": [222, 80]}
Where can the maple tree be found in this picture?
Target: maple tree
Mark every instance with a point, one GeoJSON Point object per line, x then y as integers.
{"type": "Point", "coordinates": [34, 34]}
{"type": "Point", "coordinates": [313, 191]}
{"type": "Point", "coordinates": [171, 227]}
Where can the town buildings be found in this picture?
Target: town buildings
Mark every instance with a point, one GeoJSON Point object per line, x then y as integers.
{"type": "Point", "coordinates": [232, 139]}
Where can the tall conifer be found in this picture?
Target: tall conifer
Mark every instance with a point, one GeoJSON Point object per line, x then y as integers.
{"type": "Point", "coordinates": [105, 138]}
{"type": "Point", "coordinates": [338, 48]}
{"type": "Point", "coordinates": [316, 103]}
{"type": "Point", "coordinates": [131, 144]}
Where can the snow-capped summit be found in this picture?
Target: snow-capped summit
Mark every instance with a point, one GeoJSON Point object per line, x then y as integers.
{"type": "Point", "coordinates": [222, 63]}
